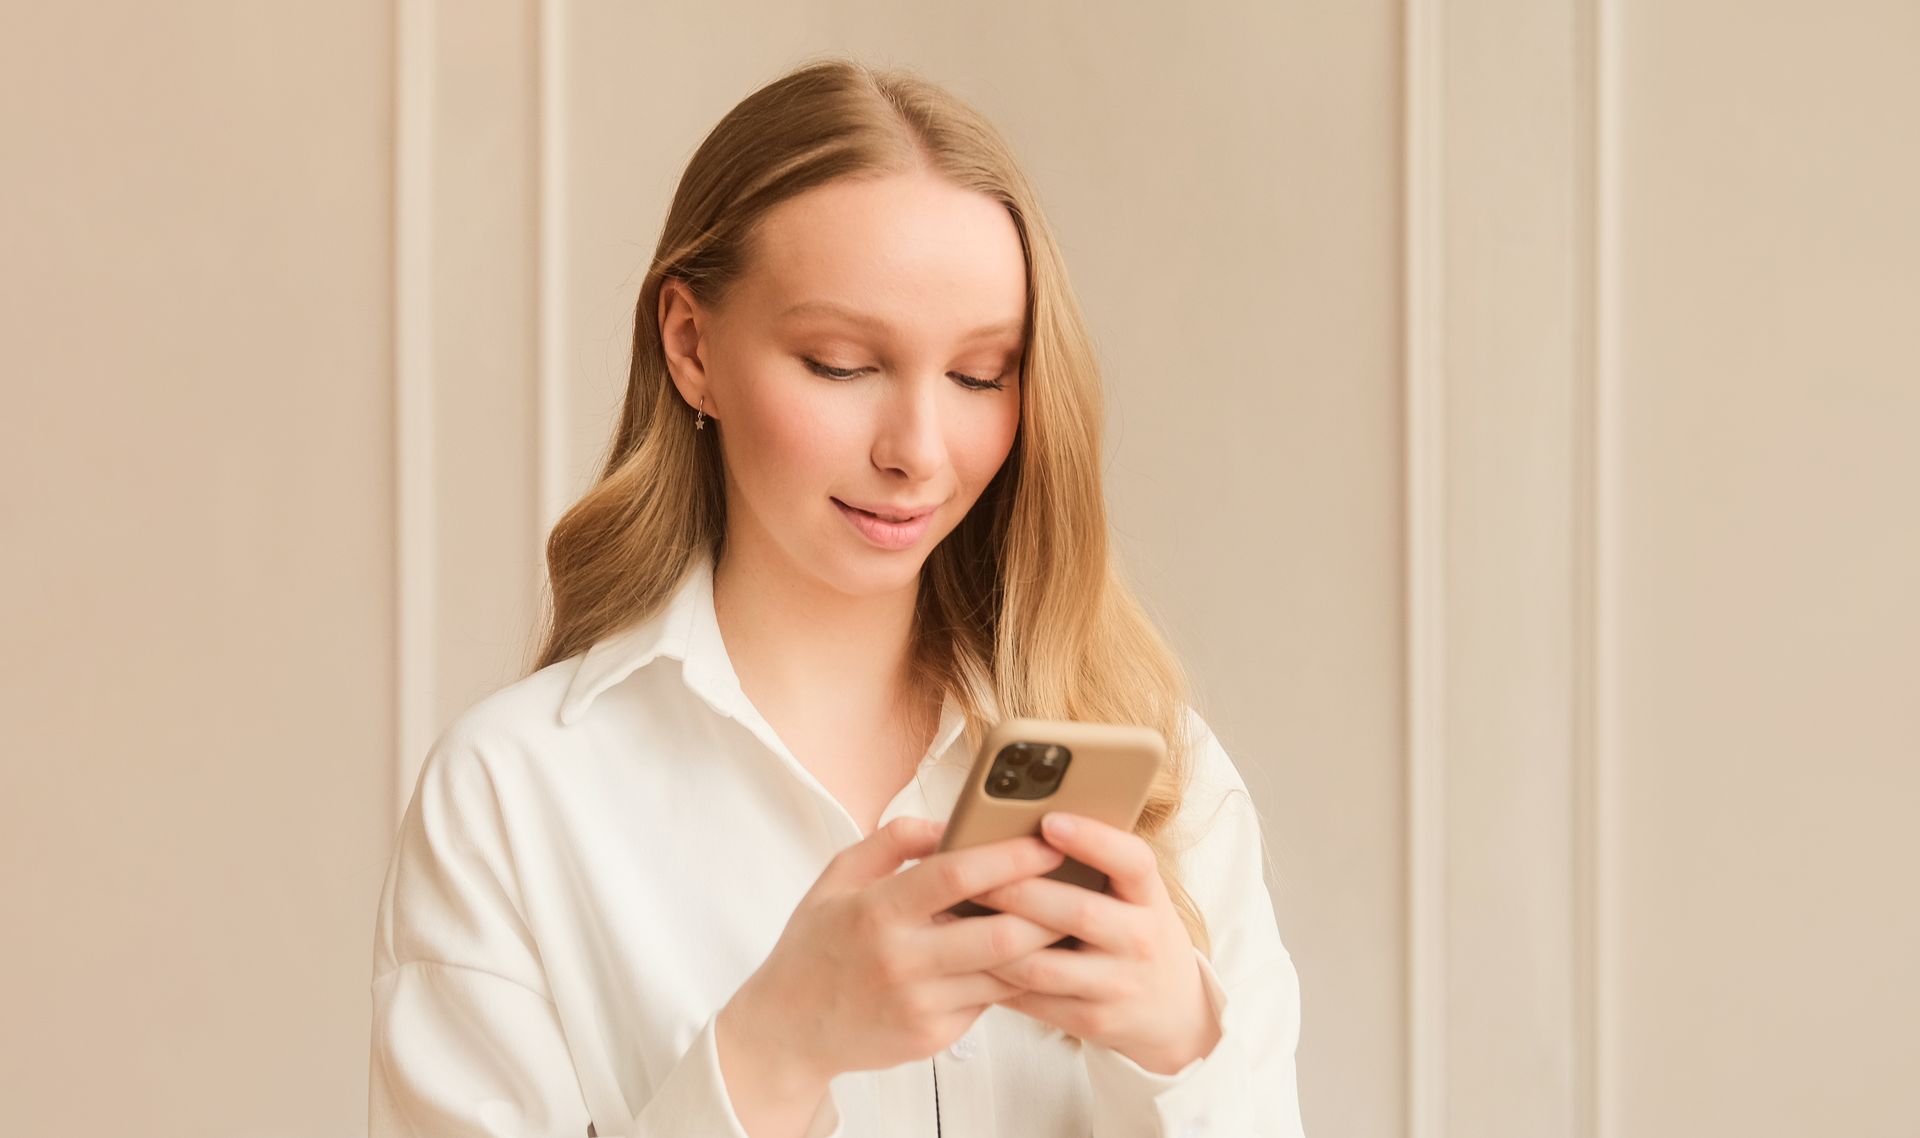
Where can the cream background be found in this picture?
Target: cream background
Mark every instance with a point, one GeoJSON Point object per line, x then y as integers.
{"type": "Point", "coordinates": [1513, 407]}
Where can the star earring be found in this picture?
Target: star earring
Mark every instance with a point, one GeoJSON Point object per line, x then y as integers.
{"type": "Point", "coordinates": [700, 417]}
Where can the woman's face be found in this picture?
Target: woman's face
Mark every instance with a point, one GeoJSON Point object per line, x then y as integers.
{"type": "Point", "coordinates": [847, 367]}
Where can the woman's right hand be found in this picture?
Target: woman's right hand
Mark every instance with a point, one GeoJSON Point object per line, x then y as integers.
{"type": "Point", "coordinates": [870, 972]}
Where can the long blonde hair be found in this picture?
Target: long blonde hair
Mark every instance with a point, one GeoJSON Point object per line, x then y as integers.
{"type": "Point", "coordinates": [1023, 609]}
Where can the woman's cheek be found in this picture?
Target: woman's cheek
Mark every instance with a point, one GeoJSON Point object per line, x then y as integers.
{"type": "Point", "coordinates": [808, 433]}
{"type": "Point", "coordinates": [985, 449]}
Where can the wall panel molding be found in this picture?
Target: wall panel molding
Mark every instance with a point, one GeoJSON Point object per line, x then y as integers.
{"type": "Point", "coordinates": [1425, 489]}
{"type": "Point", "coordinates": [1505, 422]}
{"type": "Point", "coordinates": [1592, 543]}
{"type": "Point", "coordinates": [474, 390]}
{"type": "Point", "coordinates": [413, 392]}
{"type": "Point", "coordinates": [554, 489]}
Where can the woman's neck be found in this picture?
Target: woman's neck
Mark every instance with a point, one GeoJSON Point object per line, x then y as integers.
{"type": "Point", "coordinates": [797, 641]}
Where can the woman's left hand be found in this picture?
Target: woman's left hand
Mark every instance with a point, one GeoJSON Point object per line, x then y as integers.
{"type": "Point", "coordinates": [1134, 982]}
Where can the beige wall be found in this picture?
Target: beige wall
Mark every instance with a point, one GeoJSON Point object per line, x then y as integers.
{"type": "Point", "coordinates": [1762, 937]}
{"type": "Point", "coordinates": [1551, 364]}
{"type": "Point", "coordinates": [196, 560]}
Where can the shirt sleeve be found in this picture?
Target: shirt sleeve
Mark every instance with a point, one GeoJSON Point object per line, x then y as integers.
{"type": "Point", "coordinates": [1247, 1085]}
{"type": "Point", "coordinates": [467, 1040]}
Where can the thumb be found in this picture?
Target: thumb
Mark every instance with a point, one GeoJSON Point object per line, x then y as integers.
{"type": "Point", "coordinates": [882, 852]}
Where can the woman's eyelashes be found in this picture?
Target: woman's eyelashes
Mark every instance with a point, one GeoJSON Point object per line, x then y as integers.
{"type": "Point", "coordinates": [969, 381]}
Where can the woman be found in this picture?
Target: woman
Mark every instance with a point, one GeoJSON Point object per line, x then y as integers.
{"type": "Point", "coordinates": [665, 897]}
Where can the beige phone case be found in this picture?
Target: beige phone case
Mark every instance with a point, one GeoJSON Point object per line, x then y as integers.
{"type": "Point", "coordinates": [1102, 770]}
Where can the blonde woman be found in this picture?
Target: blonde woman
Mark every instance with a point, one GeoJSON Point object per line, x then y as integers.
{"type": "Point", "coordinates": [680, 881]}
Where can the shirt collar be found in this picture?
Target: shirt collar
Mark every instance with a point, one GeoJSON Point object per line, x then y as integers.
{"type": "Point", "coordinates": [675, 629]}
{"type": "Point", "coordinates": [686, 629]}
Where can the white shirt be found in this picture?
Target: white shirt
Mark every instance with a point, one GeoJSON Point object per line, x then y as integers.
{"type": "Point", "coordinates": [596, 856]}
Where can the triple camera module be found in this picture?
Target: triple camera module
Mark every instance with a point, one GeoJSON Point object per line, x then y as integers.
{"type": "Point", "coordinates": [1027, 770]}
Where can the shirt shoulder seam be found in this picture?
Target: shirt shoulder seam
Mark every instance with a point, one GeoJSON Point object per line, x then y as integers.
{"type": "Point", "coordinates": [523, 986]}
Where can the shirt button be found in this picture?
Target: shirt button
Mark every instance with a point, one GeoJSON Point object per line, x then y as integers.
{"type": "Point", "coordinates": [1195, 1128]}
{"type": "Point", "coordinates": [963, 1047]}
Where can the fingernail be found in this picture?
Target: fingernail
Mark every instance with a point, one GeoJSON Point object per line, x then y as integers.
{"type": "Point", "coordinates": [1058, 824]}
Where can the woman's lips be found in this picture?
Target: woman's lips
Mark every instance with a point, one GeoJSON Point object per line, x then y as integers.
{"type": "Point", "coordinates": [889, 514]}
{"type": "Point", "coordinates": [885, 534]}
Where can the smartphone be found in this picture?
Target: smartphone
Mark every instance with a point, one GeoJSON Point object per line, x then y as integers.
{"type": "Point", "coordinates": [1027, 767]}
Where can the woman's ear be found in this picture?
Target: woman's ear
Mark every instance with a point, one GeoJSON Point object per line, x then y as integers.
{"type": "Point", "coordinates": [682, 325]}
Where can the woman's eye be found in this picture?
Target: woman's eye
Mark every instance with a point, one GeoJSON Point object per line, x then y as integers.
{"type": "Point", "coordinates": [966, 381]}
{"type": "Point", "coordinates": [831, 372]}
{"type": "Point", "coordinates": [977, 384]}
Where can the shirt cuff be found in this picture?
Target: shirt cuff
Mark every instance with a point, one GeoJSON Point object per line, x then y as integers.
{"type": "Point", "coordinates": [1130, 1101]}
{"type": "Point", "coordinates": [694, 1099]}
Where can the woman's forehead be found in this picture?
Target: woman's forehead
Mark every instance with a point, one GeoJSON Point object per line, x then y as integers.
{"type": "Point", "coordinates": [890, 246]}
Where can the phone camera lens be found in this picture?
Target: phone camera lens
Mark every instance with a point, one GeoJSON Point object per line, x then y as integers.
{"type": "Point", "coordinates": [1006, 782]}
{"type": "Point", "coordinates": [1045, 772]}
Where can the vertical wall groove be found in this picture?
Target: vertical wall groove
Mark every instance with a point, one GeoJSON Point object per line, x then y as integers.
{"type": "Point", "coordinates": [550, 297]}
{"type": "Point", "coordinates": [413, 391]}
{"type": "Point", "coordinates": [1587, 542]}
{"type": "Point", "coordinates": [1425, 494]}
{"type": "Point", "coordinates": [1604, 602]}
{"type": "Point", "coordinates": [1583, 539]}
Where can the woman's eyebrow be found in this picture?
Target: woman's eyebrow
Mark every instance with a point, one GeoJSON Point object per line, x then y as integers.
{"type": "Point", "coordinates": [867, 320]}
